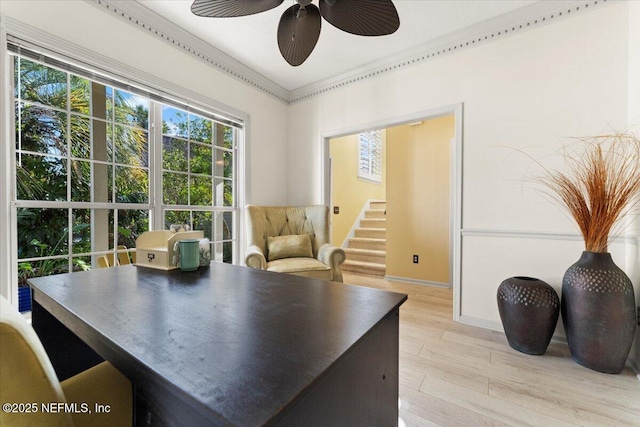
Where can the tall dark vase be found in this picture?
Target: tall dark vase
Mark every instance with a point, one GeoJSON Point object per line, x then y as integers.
{"type": "Point", "coordinates": [598, 312]}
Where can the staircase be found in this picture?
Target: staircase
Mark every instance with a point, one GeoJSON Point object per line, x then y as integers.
{"type": "Point", "coordinates": [367, 250]}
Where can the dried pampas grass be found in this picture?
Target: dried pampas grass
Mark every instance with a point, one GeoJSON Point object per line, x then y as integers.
{"type": "Point", "coordinates": [599, 186]}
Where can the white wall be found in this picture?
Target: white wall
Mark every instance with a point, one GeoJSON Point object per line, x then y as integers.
{"type": "Point", "coordinates": [524, 91]}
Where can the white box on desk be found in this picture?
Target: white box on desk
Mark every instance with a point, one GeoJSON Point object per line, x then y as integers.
{"type": "Point", "coordinates": [154, 249]}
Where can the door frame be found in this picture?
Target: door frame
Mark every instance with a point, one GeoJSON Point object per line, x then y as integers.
{"type": "Point", "coordinates": [455, 178]}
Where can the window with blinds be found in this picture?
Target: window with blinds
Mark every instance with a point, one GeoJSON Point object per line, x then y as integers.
{"type": "Point", "coordinates": [370, 156]}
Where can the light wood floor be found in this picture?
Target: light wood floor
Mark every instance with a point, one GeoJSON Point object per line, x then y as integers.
{"type": "Point", "coordinates": [457, 375]}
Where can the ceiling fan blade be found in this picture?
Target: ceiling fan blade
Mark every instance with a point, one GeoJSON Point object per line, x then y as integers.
{"type": "Point", "coordinates": [232, 8]}
{"type": "Point", "coordinates": [361, 17]}
{"type": "Point", "coordinates": [298, 33]}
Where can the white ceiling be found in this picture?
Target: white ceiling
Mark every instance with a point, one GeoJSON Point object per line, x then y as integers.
{"type": "Point", "coordinates": [251, 40]}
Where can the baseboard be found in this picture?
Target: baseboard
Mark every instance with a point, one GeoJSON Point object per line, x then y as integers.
{"type": "Point", "coordinates": [481, 323]}
{"type": "Point", "coordinates": [417, 281]}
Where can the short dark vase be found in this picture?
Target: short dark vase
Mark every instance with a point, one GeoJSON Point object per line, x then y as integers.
{"type": "Point", "coordinates": [598, 312]}
{"type": "Point", "coordinates": [529, 310]}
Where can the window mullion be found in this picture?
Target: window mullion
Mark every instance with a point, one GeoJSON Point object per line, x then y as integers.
{"type": "Point", "coordinates": [68, 138]}
{"type": "Point", "coordinates": [155, 143]}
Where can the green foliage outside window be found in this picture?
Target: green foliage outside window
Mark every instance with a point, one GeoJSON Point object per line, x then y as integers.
{"type": "Point", "coordinates": [47, 132]}
{"type": "Point", "coordinates": [197, 171]}
{"type": "Point", "coordinates": [74, 135]}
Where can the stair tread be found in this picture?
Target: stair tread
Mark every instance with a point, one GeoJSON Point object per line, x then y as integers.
{"type": "Point", "coordinates": [366, 251]}
{"type": "Point", "coordinates": [379, 233]}
{"type": "Point", "coordinates": [370, 234]}
{"type": "Point", "coordinates": [366, 240]}
{"type": "Point", "coordinates": [373, 265]}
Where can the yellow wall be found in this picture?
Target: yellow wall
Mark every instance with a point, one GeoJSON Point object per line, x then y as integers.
{"type": "Point", "coordinates": [347, 191]}
{"type": "Point", "coordinates": [418, 199]}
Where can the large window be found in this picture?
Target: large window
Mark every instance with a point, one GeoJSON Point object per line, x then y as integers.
{"type": "Point", "coordinates": [198, 165]}
{"type": "Point", "coordinates": [82, 169]}
{"type": "Point", "coordinates": [370, 156]}
{"type": "Point", "coordinates": [87, 181]}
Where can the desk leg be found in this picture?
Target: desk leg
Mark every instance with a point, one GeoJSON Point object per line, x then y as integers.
{"type": "Point", "coordinates": [69, 355]}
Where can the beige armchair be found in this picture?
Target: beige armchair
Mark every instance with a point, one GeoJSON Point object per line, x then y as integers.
{"type": "Point", "coordinates": [294, 240]}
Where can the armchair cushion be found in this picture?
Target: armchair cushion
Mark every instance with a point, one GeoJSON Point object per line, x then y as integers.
{"type": "Point", "coordinates": [309, 267]}
{"type": "Point", "coordinates": [290, 246]}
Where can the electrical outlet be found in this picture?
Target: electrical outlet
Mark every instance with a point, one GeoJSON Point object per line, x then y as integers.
{"type": "Point", "coordinates": [336, 210]}
{"type": "Point", "coordinates": [415, 259]}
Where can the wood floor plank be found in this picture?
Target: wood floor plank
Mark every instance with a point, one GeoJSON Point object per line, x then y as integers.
{"type": "Point", "coordinates": [495, 344]}
{"type": "Point", "coordinates": [488, 406]}
{"type": "Point", "coordinates": [442, 412]}
{"type": "Point", "coordinates": [453, 374]}
{"type": "Point", "coordinates": [573, 408]}
{"type": "Point", "coordinates": [412, 378]}
{"type": "Point", "coordinates": [542, 381]}
{"type": "Point", "coordinates": [568, 370]}
{"type": "Point", "coordinates": [407, 419]}
{"type": "Point", "coordinates": [447, 372]}
{"type": "Point", "coordinates": [410, 346]}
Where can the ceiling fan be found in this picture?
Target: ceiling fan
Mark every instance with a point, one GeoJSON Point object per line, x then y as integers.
{"type": "Point", "coordinates": [299, 27]}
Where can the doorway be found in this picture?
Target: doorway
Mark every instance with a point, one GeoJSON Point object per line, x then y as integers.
{"type": "Point", "coordinates": [416, 191]}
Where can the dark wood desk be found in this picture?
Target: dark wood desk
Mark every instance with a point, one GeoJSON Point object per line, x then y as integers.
{"type": "Point", "coordinates": [230, 345]}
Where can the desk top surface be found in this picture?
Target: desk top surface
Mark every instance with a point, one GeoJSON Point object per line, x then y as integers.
{"type": "Point", "coordinates": [240, 343]}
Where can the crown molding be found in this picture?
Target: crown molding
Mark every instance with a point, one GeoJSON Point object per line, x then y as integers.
{"type": "Point", "coordinates": [524, 19]}
{"type": "Point", "coordinates": [520, 20]}
{"type": "Point", "coordinates": [158, 26]}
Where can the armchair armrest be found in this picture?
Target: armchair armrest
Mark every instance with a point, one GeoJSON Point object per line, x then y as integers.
{"type": "Point", "coordinates": [333, 257]}
{"type": "Point", "coordinates": [255, 258]}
